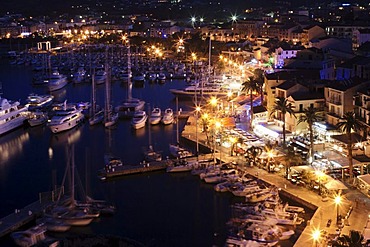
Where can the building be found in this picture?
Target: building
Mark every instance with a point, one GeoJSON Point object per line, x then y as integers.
{"type": "Point", "coordinates": [360, 37]}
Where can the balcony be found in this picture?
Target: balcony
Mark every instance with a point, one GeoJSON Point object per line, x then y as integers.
{"type": "Point", "coordinates": [335, 101]}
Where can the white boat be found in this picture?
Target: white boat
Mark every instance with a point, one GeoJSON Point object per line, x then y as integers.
{"type": "Point", "coordinates": [54, 225]}
{"type": "Point", "coordinates": [139, 79]}
{"type": "Point", "coordinates": [38, 102]}
{"type": "Point", "coordinates": [180, 166]}
{"type": "Point", "coordinates": [30, 237]}
{"type": "Point", "coordinates": [151, 155]}
{"type": "Point", "coordinates": [12, 115]}
{"type": "Point", "coordinates": [65, 119]}
{"type": "Point", "coordinates": [139, 119]}
{"type": "Point", "coordinates": [79, 75]}
{"type": "Point", "coordinates": [56, 81]}
{"type": "Point", "coordinates": [205, 91]}
{"type": "Point", "coordinates": [129, 106]}
{"type": "Point", "coordinates": [155, 116]}
{"type": "Point", "coordinates": [168, 117]}
{"type": "Point", "coordinates": [37, 118]}
{"type": "Point", "coordinates": [152, 77]}
{"type": "Point", "coordinates": [100, 76]}
{"type": "Point", "coordinates": [179, 152]}
{"type": "Point", "coordinates": [161, 77]}
{"type": "Point", "coordinates": [96, 118]}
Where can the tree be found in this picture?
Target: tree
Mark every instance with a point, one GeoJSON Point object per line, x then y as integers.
{"type": "Point", "coordinates": [346, 124]}
{"type": "Point", "coordinates": [354, 239]}
{"type": "Point", "coordinates": [310, 116]}
{"type": "Point", "coordinates": [283, 106]}
{"type": "Point", "coordinates": [250, 86]}
{"type": "Point", "coordinates": [253, 152]}
{"type": "Point", "coordinates": [290, 158]}
{"type": "Point", "coordinates": [258, 77]}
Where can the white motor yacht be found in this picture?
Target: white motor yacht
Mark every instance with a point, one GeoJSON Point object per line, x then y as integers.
{"type": "Point", "coordinates": [155, 116]}
{"type": "Point", "coordinates": [38, 102]}
{"type": "Point", "coordinates": [37, 118]}
{"type": "Point", "coordinates": [139, 119]}
{"type": "Point", "coordinates": [12, 115]}
{"type": "Point", "coordinates": [56, 81]}
{"type": "Point", "coordinates": [65, 119]}
{"type": "Point", "coordinates": [129, 106]}
{"type": "Point", "coordinates": [100, 76]}
{"type": "Point", "coordinates": [168, 117]}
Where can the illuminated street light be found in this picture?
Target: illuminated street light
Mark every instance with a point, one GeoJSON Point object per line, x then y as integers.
{"type": "Point", "coordinates": [337, 200]}
{"type": "Point", "coordinates": [197, 110]}
{"type": "Point", "coordinates": [316, 235]}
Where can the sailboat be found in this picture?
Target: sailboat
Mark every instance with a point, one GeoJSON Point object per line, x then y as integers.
{"type": "Point", "coordinates": [95, 116]}
{"type": "Point", "coordinates": [68, 211]}
{"type": "Point", "coordinates": [130, 105]}
{"type": "Point", "coordinates": [110, 117]}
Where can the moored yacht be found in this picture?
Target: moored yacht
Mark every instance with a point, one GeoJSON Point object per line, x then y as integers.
{"type": "Point", "coordinates": [168, 117]}
{"type": "Point", "coordinates": [12, 115]}
{"type": "Point", "coordinates": [139, 120]}
{"type": "Point", "coordinates": [37, 118]}
{"type": "Point", "coordinates": [155, 116]}
{"type": "Point", "coordinates": [65, 119]}
{"type": "Point", "coordinates": [38, 102]}
{"type": "Point", "coordinates": [129, 106]}
{"type": "Point", "coordinates": [56, 81]}
{"type": "Point", "coordinates": [100, 76]}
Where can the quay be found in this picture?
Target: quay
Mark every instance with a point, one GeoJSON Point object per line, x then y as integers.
{"type": "Point", "coordinates": [135, 169]}
{"type": "Point", "coordinates": [353, 201]}
{"type": "Point", "coordinates": [23, 216]}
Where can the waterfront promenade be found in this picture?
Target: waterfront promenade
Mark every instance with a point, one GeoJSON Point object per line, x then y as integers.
{"type": "Point", "coordinates": [324, 209]}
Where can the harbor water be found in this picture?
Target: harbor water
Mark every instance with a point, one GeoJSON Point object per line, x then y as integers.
{"type": "Point", "coordinates": [155, 209]}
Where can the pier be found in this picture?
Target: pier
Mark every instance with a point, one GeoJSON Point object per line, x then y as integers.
{"type": "Point", "coordinates": [29, 213]}
{"type": "Point", "coordinates": [135, 169]}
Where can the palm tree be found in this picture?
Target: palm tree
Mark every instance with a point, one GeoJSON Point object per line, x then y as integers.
{"type": "Point", "coordinates": [283, 106]}
{"type": "Point", "coordinates": [253, 152]}
{"type": "Point", "coordinates": [346, 124]}
{"type": "Point", "coordinates": [258, 77]}
{"type": "Point", "coordinates": [290, 158]}
{"type": "Point", "coordinates": [354, 239]}
{"type": "Point", "coordinates": [250, 86]}
{"type": "Point", "coordinates": [310, 116]}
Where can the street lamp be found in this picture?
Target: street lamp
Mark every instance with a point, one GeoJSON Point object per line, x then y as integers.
{"type": "Point", "coordinates": [316, 235]}
{"type": "Point", "coordinates": [213, 101]}
{"type": "Point", "coordinates": [337, 200]}
{"type": "Point", "coordinates": [197, 110]}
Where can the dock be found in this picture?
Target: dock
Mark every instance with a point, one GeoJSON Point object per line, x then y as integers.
{"type": "Point", "coordinates": [135, 169]}
{"type": "Point", "coordinates": [29, 213]}
{"type": "Point", "coordinates": [22, 216]}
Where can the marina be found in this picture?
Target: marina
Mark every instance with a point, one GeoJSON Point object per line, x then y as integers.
{"type": "Point", "coordinates": [226, 170]}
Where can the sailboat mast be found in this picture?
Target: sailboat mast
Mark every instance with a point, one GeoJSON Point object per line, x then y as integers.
{"type": "Point", "coordinates": [129, 82]}
{"type": "Point", "coordinates": [107, 92]}
{"type": "Point", "coordinates": [93, 106]}
{"type": "Point", "coordinates": [73, 201]}
{"type": "Point", "coordinates": [209, 57]}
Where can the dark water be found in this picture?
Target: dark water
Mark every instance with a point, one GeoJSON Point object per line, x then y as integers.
{"type": "Point", "coordinates": [156, 209]}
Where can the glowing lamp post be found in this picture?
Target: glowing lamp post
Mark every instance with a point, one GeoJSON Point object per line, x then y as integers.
{"type": "Point", "coordinates": [213, 101]}
{"type": "Point", "coordinates": [316, 235]}
{"type": "Point", "coordinates": [197, 110]}
{"type": "Point", "coordinates": [337, 201]}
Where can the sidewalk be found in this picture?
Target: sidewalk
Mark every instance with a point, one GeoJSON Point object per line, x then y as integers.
{"type": "Point", "coordinates": [325, 210]}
